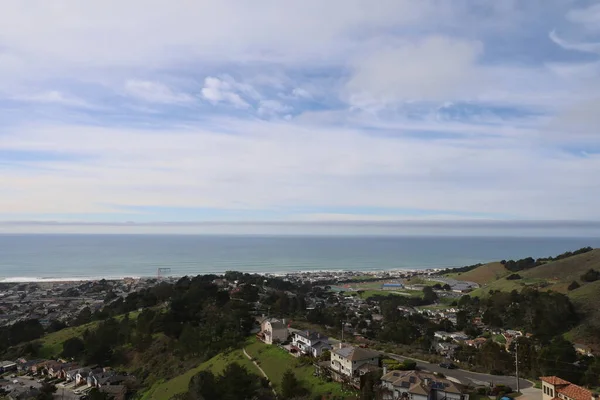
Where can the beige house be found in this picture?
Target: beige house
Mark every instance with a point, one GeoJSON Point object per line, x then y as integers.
{"type": "Point", "coordinates": [555, 388]}
{"type": "Point", "coordinates": [347, 360]}
{"type": "Point", "coordinates": [417, 385]}
{"type": "Point", "coordinates": [273, 331]}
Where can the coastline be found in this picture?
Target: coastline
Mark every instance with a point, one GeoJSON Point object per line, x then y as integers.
{"type": "Point", "coordinates": [332, 273]}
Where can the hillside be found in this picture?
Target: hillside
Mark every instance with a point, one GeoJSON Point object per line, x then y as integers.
{"type": "Point", "coordinates": [165, 390]}
{"type": "Point", "coordinates": [566, 270]}
{"type": "Point", "coordinates": [273, 360]}
{"type": "Point", "coordinates": [482, 275]}
{"type": "Point", "coordinates": [554, 275]}
{"type": "Point", "coordinates": [587, 300]}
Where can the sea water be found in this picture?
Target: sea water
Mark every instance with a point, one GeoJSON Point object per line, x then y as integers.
{"type": "Point", "coordinates": [65, 257]}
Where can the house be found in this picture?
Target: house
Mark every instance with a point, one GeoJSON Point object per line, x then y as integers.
{"type": "Point", "coordinates": [418, 385]}
{"type": "Point", "coordinates": [273, 331]}
{"type": "Point", "coordinates": [583, 350]}
{"type": "Point", "coordinates": [6, 366]}
{"type": "Point", "coordinates": [392, 286]}
{"type": "Point", "coordinates": [346, 361]}
{"type": "Point", "coordinates": [310, 343]}
{"type": "Point", "coordinates": [477, 343]}
{"type": "Point", "coordinates": [441, 335]}
{"type": "Point", "coordinates": [447, 349]}
{"type": "Point", "coordinates": [554, 387]}
{"type": "Point", "coordinates": [459, 336]}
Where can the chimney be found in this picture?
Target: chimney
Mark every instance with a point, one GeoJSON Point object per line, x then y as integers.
{"type": "Point", "coordinates": [283, 321]}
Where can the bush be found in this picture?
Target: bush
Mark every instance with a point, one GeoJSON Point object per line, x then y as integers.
{"type": "Point", "coordinates": [513, 277]}
{"type": "Point", "coordinates": [590, 276]}
{"type": "Point", "coordinates": [574, 285]}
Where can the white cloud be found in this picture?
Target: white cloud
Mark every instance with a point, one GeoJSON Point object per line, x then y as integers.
{"type": "Point", "coordinates": [218, 90]}
{"type": "Point", "coordinates": [588, 17]}
{"type": "Point", "coordinates": [155, 92]}
{"type": "Point", "coordinates": [436, 68]}
{"type": "Point", "coordinates": [301, 93]}
{"type": "Point", "coordinates": [54, 97]}
{"type": "Point", "coordinates": [274, 165]}
{"type": "Point", "coordinates": [272, 107]}
{"type": "Point", "coordinates": [588, 47]}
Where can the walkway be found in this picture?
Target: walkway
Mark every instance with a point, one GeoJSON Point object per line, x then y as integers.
{"type": "Point", "coordinates": [260, 369]}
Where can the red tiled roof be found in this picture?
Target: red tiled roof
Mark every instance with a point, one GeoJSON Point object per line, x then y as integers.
{"type": "Point", "coordinates": [554, 380]}
{"type": "Point", "coordinates": [575, 392]}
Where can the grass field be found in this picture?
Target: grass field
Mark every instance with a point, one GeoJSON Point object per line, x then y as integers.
{"type": "Point", "coordinates": [164, 390]}
{"type": "Point", "coordinates": [52, 342]}
{"type": "Point", "coordinates": [275, 362]}
{"type": "Point", "coordinates": [483, 275]}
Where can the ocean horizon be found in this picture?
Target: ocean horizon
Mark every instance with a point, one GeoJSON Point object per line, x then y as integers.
{"type": "Point", "coordinates": [46, 257]}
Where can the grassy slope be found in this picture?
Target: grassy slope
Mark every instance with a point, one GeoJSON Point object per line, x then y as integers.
{"type": "Point", "coordinates": [567, 270]}
{"type": "Point", "coordinates": [165, 390]}
{"type": "Point", "coordinates": [52, 342]}
{"type": "Point", "coordinates": [555, 275]}
{"type": "Point", "coordinates": [587, 299]}
{"type": "Point", "coordinates": [275, 361]}
{"type": "Point", "coordinates": [484, 274]}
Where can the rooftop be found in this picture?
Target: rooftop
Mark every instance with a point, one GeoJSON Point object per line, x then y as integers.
{"type": "Point", "coordinates": [355, 353]}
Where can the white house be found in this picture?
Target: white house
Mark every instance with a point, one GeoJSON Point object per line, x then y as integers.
{"type": "Point", "coordinates": [310, 343]}
{"type": "Point", "coordinates": [273, 331]}
{"type": "Point", "coordinates": [417, 385]}
{"type": "Point", "coordinates": [346, 360]}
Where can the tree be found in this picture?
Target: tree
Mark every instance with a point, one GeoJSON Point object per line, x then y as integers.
{"type": "Point", "coordinates": [429, 296]}
{"type": "Point", "coordinates": [95, 394]}
{"type": "Point", "coordinates": [73, 348]}
{"type": "Point", "coordinates": [574, 285]}
{"type": "Point", "coordinates": [290, 386]}
{"type": "Point", "coordinates": [46, 391]}
{"type": "Point", "coordinates": [590, 276]}
{"type": "Point", "coordinates": [203, 386]}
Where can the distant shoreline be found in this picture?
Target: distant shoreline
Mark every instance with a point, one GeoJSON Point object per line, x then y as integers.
{"type": "Point", "coordinates": [342, 273]}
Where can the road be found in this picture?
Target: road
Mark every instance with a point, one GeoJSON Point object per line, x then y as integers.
{"type": "Point", "coordinates": [467, 377]}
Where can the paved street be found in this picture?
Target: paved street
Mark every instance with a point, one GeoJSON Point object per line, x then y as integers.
{"type": "Point", "coordinates": [467, 377]}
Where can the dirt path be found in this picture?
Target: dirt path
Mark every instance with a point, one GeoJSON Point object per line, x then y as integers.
{"type": "Point", "coordinates": [260, 369]}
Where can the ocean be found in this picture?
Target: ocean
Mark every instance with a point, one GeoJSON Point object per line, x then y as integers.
{"type": "Point", "coordinates": [64, 257]}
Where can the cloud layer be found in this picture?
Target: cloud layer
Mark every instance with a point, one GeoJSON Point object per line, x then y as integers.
{"type": "Point", "coordinates": [303, 111]}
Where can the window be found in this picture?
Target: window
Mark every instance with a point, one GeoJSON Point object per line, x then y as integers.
{"type": "Point", "coordinates": [545, 389]}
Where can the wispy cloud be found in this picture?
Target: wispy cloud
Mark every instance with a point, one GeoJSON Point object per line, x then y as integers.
{"type": "Point", "coordinates": [218, 90]}
{"type": "Point", "coordinates": [155, 92]}
{"type": "Point", "coordinates": [300, 110]}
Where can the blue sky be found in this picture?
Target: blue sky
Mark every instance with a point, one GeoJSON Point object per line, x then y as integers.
{"type": "Point", "coordinates": [310, 111]}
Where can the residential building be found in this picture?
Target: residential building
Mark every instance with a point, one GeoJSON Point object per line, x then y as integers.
{"type": "Point", "coordinates": [273, 331]}
{"type": "Point", "coordinates": [477, 343]}
{"type": "Point", "coordinates": [6, 366]}
{"type": "Point", "coordinates": [346, 361]}
{"type": "Point", "coordinates": [310, 343]}
{"type": "Point", "coordinates": [417, 385]}
{"type": "Point", "coordinates": [392, 286]}
{"type": "Point", "coordinates": [583, 350]}
{"type": "Point", "coordinates": [441, 335]}
{"type": "Point", "coordinates": [555, 388]}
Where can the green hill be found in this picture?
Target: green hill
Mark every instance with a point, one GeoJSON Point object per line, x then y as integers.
{"type": "Point", "coordinates": [483, 274]}
{"type": "Point", "coordinates": [566, 270]}
{"type": "Point", "coordinates": [554, 275]}
{"type": "Point", "coordinates": [165, 390]}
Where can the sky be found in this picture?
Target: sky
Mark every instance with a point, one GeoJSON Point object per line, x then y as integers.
{"type": "Point", "coordinates": [144, 114]}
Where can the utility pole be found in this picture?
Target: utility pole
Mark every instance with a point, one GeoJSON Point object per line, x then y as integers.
{"type": "Point", "coordinates": [517, 363]}
{"type": "Point", "coordinates": [342, 332]}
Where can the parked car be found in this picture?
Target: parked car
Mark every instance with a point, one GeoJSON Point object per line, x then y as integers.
{"type": "Point", "coordinates": [448, 366]}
